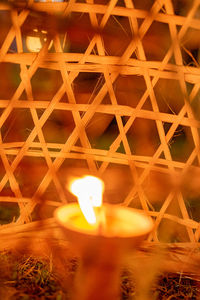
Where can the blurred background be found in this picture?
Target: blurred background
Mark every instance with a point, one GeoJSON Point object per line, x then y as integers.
{"type": "Point", "coordinates": [130, 140]}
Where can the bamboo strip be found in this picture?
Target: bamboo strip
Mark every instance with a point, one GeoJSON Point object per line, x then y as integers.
{"type": "Point", "coordinates": [101, 9]}
{"type": "Point", "coordinates": [118, 110]}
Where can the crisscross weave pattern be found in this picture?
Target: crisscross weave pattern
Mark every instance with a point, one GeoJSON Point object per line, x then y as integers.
{"type": "Point", "coordinates": [115, 94]}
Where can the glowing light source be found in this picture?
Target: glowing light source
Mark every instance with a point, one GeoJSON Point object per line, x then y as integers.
{"type": "Point", "coordinates": [89, 191]}
{"type": "Point", "coordinates": [35, 43]}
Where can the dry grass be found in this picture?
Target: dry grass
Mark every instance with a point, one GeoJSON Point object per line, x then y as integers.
{"type": "Point", "coordinates": [30, 278]}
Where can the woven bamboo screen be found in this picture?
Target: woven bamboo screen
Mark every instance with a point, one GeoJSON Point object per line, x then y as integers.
{"type": "Point", "coordinates": [111, 90]}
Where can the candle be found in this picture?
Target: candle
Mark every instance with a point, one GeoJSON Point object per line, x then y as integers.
{"type": "Point", "coordinates": [102, 234]}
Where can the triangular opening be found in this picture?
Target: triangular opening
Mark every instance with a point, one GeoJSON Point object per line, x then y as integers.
{"type": "Point", "coordinates": [166, 127]}
{"type": "Point", "coordinates": [40, 112]}
{"type": "Point", "coordinates": [78, 143]}
{"type": "Point", "coordinates": [64, 98]}
{"type": "Point", "coordinates": [147, 105]}
{"type": "Point", "coordinates": [36, 139]}
{"type": "Point", "coordinates": [13, 46]}
{"type": "Point", "coordinates": [162, 155]}
{"type": "Point", "coordinates": [23, 96]}
{"type": "Point", "coordinates": [94, 50]}
{"type": "Point", "coordinates": [121, 148]}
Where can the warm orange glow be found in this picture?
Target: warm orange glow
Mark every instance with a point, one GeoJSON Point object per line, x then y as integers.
{"type": "Point", "coordinates": [89, 191]}
{"type": "Point", "coordinates": [35, 43]}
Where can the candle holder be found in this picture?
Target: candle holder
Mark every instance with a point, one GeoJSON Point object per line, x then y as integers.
{"type": "Point", "coordinates": [102, 248]}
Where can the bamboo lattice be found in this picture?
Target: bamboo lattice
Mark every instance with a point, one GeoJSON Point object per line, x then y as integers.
{"type": "Point", "coordinates": [119, 101]}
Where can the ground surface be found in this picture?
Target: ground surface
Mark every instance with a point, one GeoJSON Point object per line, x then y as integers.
{"type": "Point", "coordinates": [29, 278]}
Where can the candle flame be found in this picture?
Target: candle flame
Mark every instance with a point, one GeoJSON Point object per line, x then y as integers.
{"type": "Point", "coordinates": [89, 191]}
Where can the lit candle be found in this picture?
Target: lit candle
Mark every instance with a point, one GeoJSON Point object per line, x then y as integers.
{"type": "Point", "coordinates": [102, 234]}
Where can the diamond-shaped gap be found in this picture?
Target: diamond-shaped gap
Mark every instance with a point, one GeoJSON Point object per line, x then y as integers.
{"type": "Point", "coordinates": [102, 130]}
{"type": "Point", "coordinates": [9, 79]}
{"type": "Point", "coordinates": [118, 182]}
{"type": "Point", "coordinates": [58, 126]}
{"type": "Point", "coordinates": [181, 144]}
{"type": "Point", "coordinates": [45, 83]}
{"type": "Point", "coordinates": [129, 89]}
{"type": "Point", "coordinates": [116, 35]}
{"type": "Point", "coordinates": [86, 86]}
{"type": "Point", "coordinates": [169, 230]}
{"type": "Point", "coordinates": [169, 102]}
{"type": "Point", "coordinates": [143, 137]}
{"type": "Point", "coordinates": [17, 126]}
{"type": "Point", "coordinates": [5, 25]}
{"type": "Point", "coordinates": [30, 173]}
{"type": "Point", "coordinates": [156, 41]}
